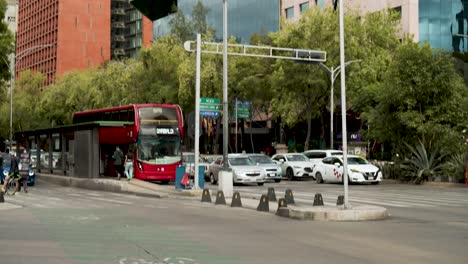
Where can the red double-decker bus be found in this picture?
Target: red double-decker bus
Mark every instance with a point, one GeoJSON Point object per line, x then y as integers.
{"type": "Point", "coordinates": [155, 131]}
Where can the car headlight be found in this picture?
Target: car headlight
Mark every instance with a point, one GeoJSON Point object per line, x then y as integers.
{"type": "Point", "coordinates": [354, 170]}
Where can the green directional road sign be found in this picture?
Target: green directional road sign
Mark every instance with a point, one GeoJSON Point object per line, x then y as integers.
{"type": "Point", "coordinates": [242, 110]}
{"type": "Point", "coordinates": [206, 100]}
{"type": "Point", "coordinates": [209, 106]}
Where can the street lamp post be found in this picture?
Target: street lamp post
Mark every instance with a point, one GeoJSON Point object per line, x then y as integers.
{"type": "Point", "coordinates": [334, 71]}
{"type": "Point", "coordinates": [11, 66]}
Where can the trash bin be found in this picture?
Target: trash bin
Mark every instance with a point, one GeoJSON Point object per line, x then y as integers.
{"type": "Point", "coordinates": [201, 177]}
{"type": "Point", "coordinates": [180, 171]}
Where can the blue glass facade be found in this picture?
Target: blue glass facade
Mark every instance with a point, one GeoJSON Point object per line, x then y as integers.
{"type": "Point", "coordinates": [444, 24]}
{"type": "Point", "coordinates": [245, 17]}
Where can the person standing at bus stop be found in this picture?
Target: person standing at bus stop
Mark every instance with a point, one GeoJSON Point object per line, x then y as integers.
{"type": "Point", "coordinates": [129, 165]}
{"type": "Point", "coordinates": [118, 161]}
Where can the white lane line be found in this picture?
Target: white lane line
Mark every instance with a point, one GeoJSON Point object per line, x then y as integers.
{"type": "Point", "coordinates": [405, 198]}
{"type": "Point", "coordinates": [110, 200]}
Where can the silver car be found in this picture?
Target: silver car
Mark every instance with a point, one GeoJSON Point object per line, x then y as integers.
{"type": "Point", "coordinates": [244, 170]}
{"type": "Point", "coordinates": [270, 168]}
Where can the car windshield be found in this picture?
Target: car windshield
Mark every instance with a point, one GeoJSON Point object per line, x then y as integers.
{"type": "Point", "coordinates": [357, 161]}
{"type": "Point", "coordinates": [261, 159]}
{"type": "Point", "coordinates": [297, 158]}
{"type": "Point", "coordinates": [241, 161]}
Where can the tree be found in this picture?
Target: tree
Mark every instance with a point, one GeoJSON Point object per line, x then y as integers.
{"type": "Point", "coordinates": [6, 47]}
{"type": "Point", "coordinates": [158, 79]}
{"type": "Point", "coordinates": [28, 89]}
{"type": "Point", "coordinates": [422, 96]}
{"type": "Point", "coordinates": [303, 90]}
{"type": "Point", "coordinates": [74, 91]}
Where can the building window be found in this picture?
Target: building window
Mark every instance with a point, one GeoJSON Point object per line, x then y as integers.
{"type": "Point", "coordinates": [304, 7]}
{"type": "Point", "coordinates": [320, 3]}
{"type": "Point", "coordinates": [398, 11]}
{"type": "Point", "coordinates": [289, 12]}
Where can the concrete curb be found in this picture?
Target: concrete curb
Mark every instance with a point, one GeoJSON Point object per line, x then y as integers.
{"type": "Point", "coordinates": [324, 213]}
{"type": "Point", "coordinates": [102, 185]}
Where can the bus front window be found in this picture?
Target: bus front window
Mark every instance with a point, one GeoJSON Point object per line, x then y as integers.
{"type": "Point", "coordinates": [161, 150]}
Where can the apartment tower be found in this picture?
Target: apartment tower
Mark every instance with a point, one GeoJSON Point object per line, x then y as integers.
{"type": "Point", "coordinates": [58, 36]}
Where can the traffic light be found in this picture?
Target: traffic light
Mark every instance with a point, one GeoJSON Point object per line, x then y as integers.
{"type": "Point", "coordinates": [314, 56]}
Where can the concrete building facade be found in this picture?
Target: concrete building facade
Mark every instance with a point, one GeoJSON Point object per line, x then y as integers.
{"type": "Point", "coordinates": [442, 23]}
{"type": "Point", "coordinates": [58, 36]}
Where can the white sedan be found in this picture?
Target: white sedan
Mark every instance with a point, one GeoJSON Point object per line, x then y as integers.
{"type": "Point", "coordinates": [330, 169]}
{"type": "Point", "coordinates": [294, 165]}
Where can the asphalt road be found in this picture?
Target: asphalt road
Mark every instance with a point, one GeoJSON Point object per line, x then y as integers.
{"type": "Point", "coordinates": [53, 224]}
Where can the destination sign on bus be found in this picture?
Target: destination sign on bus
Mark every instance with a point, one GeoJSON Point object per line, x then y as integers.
{"type": "Point", "coordinates": [165, 131]}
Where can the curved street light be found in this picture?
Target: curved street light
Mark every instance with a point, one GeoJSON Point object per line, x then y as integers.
{"type": "Point", "coordinates": [15, 59]}
{"type": "Point", "coordinates": [334, 71]}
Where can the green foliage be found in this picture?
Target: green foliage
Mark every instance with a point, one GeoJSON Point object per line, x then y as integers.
{"type": "Point", "coordinates": [455, 166]}
{"type": "Point", "coordinates": [303, 91]}
{"type": "Point", "coordinates": [6, 48]}
{"type": "Point", "coordinates": [390, 170]}
{"type": "Point", "coordinates": [420, 164]}
{"type": "Point", "coordinates": [421, 96]}
{"type": "Point", "coordinates": [75, 91]}
{"type": "Point", "coordinates": [28, 89]}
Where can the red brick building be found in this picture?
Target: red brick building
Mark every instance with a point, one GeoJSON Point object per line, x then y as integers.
{"type": "Point", "coordinates": [58, 36]}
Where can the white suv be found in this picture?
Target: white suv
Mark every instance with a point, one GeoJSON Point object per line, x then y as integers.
{"type": "Point", "coordinates": [316, 155]}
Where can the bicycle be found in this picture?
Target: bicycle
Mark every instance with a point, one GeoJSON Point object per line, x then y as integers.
{"type": "Point", "coordinates": [10, 187]}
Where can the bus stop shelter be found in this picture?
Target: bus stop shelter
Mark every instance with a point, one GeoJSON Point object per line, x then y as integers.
{"type": "Point", "coordinates": [72, 150]}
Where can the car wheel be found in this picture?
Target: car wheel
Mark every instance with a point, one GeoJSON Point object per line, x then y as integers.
{"type": "Point", "coordinates": [349, 181]}
{"type": "Point", "coordinates": [260, 183]}
{"type": "Point", "coordinates": [212, 179]}
{"type": "Point", "coordinates": [290, 174]}
{"type": "Point", "coordinates": [277, 180]}
{"type": "Point", "coordinates": [318, 177]}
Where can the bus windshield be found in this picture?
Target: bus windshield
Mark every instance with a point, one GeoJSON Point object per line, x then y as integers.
{"type": "Point", "coordinates": [160, 150]}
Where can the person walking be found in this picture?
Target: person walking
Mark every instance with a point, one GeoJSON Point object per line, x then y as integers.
{"type": "Point", "coordinates": [24, 164]}
{"type": "Point", "coordinates": [129, 165]}
{"type": "Point", "coordinates": [118, 161]}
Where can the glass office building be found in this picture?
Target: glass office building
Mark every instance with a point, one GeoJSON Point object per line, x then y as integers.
{"type": "Point", "coordinates": [245, 17]}
{"type": "Point", "coordinates": [444, 24]}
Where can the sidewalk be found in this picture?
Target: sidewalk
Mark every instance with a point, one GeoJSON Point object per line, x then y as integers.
{"type": "Point", "coordinates": [249, 201]}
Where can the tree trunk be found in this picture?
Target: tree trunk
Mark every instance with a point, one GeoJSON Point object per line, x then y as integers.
{"type": "Point", "coordinates": [309, 127]}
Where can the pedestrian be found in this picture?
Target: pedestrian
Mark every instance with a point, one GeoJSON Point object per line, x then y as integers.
{"type": "Point", "coordinates": [14, 172]}
{"type": "Point", "coordinates": [129, 165]}
{"type": "Point", "coordinates": [118, 157]}
{"type": "Point", "coordinates": [24, 164]}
